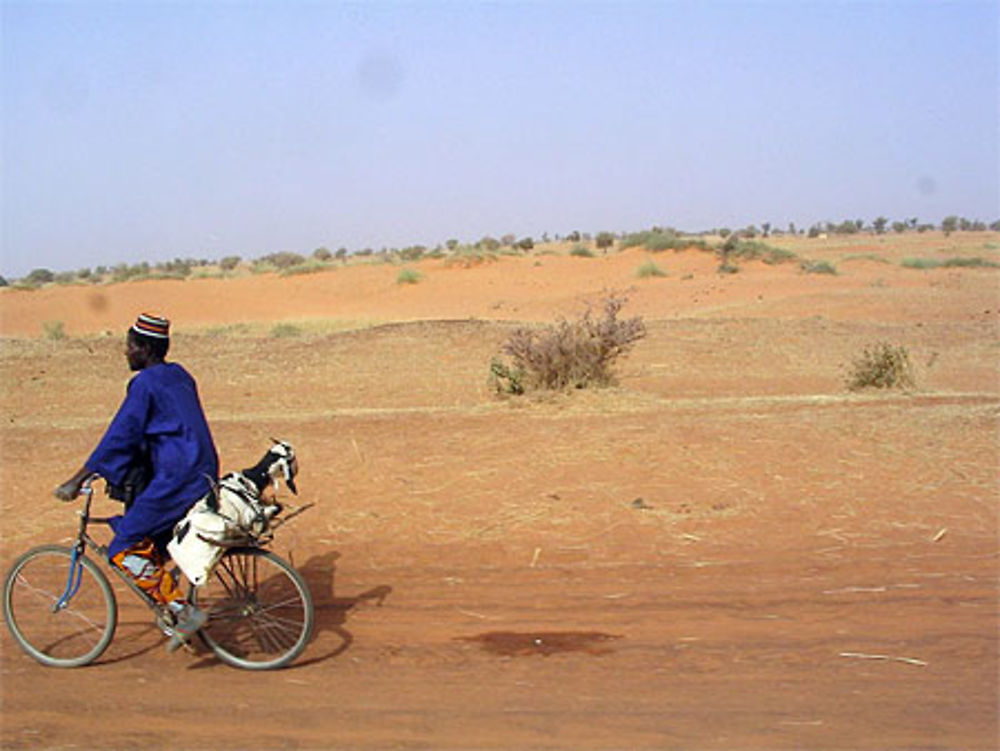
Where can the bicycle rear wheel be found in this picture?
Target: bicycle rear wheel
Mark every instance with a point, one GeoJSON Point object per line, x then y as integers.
{"type": "Point", "coordinates": [66, 636]}
{"type": "Point", "coordinates": [260, 612]}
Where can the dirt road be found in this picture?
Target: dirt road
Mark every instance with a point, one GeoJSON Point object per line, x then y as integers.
{"type": "Point", "coordinates": [729, 551]}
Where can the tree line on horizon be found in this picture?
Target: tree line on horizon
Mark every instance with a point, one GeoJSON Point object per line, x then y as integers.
{"type": "Point", "coordinates": [292, 262]}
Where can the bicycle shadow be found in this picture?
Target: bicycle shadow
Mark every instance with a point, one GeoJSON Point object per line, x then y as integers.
{"type": "Point", "coordinates": [331, 611]}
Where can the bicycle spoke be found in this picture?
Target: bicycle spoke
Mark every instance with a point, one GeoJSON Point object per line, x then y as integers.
{"type": "Point", "coordinates": [260, 610]}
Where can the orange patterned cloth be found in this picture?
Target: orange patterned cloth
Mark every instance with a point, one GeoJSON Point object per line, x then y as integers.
{"type": "Point", "coordinates": [144, 565]}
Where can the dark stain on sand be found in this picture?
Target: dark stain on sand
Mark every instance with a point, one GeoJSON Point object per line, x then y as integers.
{"type": "Point", "coordinates": [545, 643]}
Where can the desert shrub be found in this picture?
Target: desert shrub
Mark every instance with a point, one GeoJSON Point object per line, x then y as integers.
{"type": "Point", "coordinates": [4, 282]}
{"type": "Point", "coordinates": [285, 330]}
{"type": "Point", "coordinates": [311, 266]}
{"type": "Point", "coordinates": [728, 267]}
{"type": "Point", "coordinates": [818, 267]}
{"type": "Point", "coordinates": [604, 240]}
{"type": "Point", "coordinates": [408, 276]}
{"type": "Point", "coordinates": [754, 250]}
{"type": "Point", "coordinates": [649, 270]}
{"type": "Point", "coordinates": [229, 263]}
{"type": "Point", "coordinates": [412, 253]}
{"type": "Point", "coordinates": [175, 269]}
{"type": "Point", "coordinates": [54, 330]}
{"type": "Point", "coordinates": [657, 240]}
{"type": "Point", "coordinates": [525, 244]}
{"type": "Point", "coordinates": [881, 366]}
{"type": "Point", "coordinates": [39, 276]}
{"type": "Point", "coordinates": [950, 263]}
{"type": "Point", "coordinates": [567, 354]}
{"type": "Point", "coordinates": [581, 251]}
{"type": "Point", "coordinates": [506, 379]}
{"type": "Point", "coordinates": [282, 260]}
{"type": "Point", "coordinates": [469, 257]}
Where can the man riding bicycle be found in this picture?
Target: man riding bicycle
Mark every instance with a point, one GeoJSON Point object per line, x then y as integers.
{"type": "Point", "coordinates": [160, 425]}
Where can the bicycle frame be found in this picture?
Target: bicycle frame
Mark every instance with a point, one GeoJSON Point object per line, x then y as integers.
{"type": "Point", "coordinates": [84, 542]}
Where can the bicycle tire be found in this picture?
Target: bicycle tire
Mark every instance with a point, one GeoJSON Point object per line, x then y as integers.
{"type": "Point", "coordinates": [260, 612]}
{"type": "Point", "coordinates": [72, 636]}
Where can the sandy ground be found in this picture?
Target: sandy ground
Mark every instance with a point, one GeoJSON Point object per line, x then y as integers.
{"type": "Point", "coordinates": [726, 551]}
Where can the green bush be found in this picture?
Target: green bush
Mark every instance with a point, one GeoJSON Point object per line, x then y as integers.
{"type": "Point", "coordinates": [754, 250]}
{"type": "Point", "coordinates": [285, 330]}
{"type": "Point", "coordinates": [649, 270]}
{"type": "Point", "coordinates": [54, 330]}
{"type": "Point", "coordinates": [39, 276]}
{"type": "Point", "coordinates": [581, 251]}
{"type": "Point", "coordinates": [881, 366]}
{"type": "Point", "coordinates": [818, 267]}
{"type": "Point", "coordinates": [567, 354]}
{"type": "Point", "coordinates": [281, 260]}
{"type": "Point", "coordinates": [408, 276]}
{"type": "Point", "coordinates": [924, 264]}
{"type": "Point", "coordinates": [657, 240]}
{"type": "Point", "coordinates": [311, 266]}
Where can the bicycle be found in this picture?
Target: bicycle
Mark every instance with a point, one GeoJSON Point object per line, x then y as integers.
{"type": "Point", "coordinates": [62, 611]}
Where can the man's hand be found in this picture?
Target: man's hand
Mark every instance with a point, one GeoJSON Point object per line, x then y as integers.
{"type": "Point", "coordinates": [70, 489]}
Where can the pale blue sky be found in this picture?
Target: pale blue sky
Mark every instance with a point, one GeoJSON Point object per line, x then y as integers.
{"type": "Point", "coordinates": [150, 130]}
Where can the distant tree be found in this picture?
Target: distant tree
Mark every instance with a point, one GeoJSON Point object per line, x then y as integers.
{"type": "Point", "coordinates": [4, 282]}
{"type": "Point", "coordinates": [791, 228]}
{"type": "Point", "coordinates": [749, 232]}
{"type": "Point", "coordinates": [545, 237]}
{"type": "Point", "coordinates": [228, 263]}
{"type": "Point", "coordinates": [573, 237]}
{"type": "Point", "coordinates": [995, 226]}
{"type": "Point", "coordinates": [412, 253]}
{"type": "Point", "coordinates": [341, 253]}
{"type": "Point", "coordinates": [39, 276]}
{"type": "Point", "coordinates": [452, 244]}
{"type": "Point", "coordinates": [283, 259]}
{"type": "Point", "coordinates": [83, 274]}
{"type": "Point", "coordinates": [879, 224]}
{"type": "Point", "coordinates": [949, 224]}
{"type": "Point", "coordinates": [765, 229]}
{"type": "Point", "coordinates": [489, 244]}
{"type": "Point", "coordinates": [322, 254]}
{"type": "Point", "coordinates": [725, 232]}
{"type": "Point", "coordinates": [525, 243]}
{"type": "Point", "coordinates": [508, 240]}
{"type": "Point", "coordinates": [605, 240]}
{"type": "Point", "coordinates": [899, 227]}
{"type": "Point", "coordinates": [913, 222]}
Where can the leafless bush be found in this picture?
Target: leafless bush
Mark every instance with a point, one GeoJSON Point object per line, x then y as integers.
{"type": "Point", "coordinates": [881, 366]}
{"type": "Point", "coordinates": [568, 354]}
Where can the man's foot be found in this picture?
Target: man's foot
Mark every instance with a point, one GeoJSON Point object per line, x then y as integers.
{"type": "Point", "coordinates": [189, 621]}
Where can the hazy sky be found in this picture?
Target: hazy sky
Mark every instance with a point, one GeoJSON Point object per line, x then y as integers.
{"type": "Point", "coordinates": [151, 130]}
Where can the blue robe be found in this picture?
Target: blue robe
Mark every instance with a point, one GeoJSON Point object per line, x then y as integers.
{"type": "Point", "coordinates": [161, 413]}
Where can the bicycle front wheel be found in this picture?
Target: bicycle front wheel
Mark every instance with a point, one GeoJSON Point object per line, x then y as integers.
{"type": "Point", "coordinates": [260, 612]}
{"type": "Point", "coordinates": [62, 616]}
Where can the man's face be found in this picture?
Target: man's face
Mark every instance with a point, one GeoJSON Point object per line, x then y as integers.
{"type": "Point", "coordinates": [137, 354]}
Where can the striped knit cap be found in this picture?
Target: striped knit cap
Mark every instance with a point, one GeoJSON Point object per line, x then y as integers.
{"type": "Point", "coordinates": [151, 325]}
